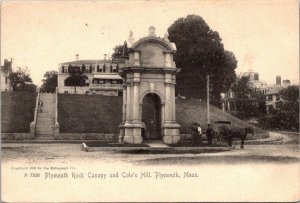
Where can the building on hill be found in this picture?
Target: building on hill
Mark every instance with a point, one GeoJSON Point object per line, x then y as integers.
{"type": "Point", "coordinates": [6, 70]}
{"type": "Point", "coordinates": [254, 80]}
{"type": "Point", "coordinates": [272, 96]}
{"type": "Point", "coordinates": [102, 77]}
{"type": "Point", "coordinates": [228, 98]}
{"type": "Point", "coordinates": [270, 92]}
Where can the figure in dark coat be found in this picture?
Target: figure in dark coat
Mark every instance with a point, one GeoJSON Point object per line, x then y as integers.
{"type": "Point", "coordinates": [194, 136]}
{"type": "Point", "coordinates": [209, 134]}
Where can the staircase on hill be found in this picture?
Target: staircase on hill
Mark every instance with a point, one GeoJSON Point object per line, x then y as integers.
{"type": "Point", "coordinates": [46, 118]}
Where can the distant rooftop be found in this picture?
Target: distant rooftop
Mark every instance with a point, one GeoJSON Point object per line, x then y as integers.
{"type": "Point", "coordinates": [87, 62]}
{"type": "Point", "coordinates": [79, 62]}
{"type": "Point", "coordinates": [273, 90]}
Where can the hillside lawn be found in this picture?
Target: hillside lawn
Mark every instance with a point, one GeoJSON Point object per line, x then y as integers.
{"type": "Point", "coordinates": [89, 114]}
{"type": "Point", "coordinates": [17, 111]}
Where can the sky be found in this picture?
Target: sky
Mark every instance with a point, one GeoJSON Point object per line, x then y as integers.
{"type": "Point", "coordinates": [263, 35]}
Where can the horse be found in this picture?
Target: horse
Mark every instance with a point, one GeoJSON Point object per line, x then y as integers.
{"type": "Point", "coordinates": [224, 132]}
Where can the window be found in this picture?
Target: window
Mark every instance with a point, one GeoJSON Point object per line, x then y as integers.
{"type": "Point", "coordinates": [101, 81]}
{"type": "Point", "coordinates": [87, 82]}
{"type": "Point", "coordinates": [114, 70]}
{"type": "Point", "coordinates": [104, 69]}
{"type": "Point", "coordinates": [62, 69]}
{"type": "Point", "coordinates": [99, 69]}
{"type": "Point", "coordinates": [113, 82]}
{"type": "Point", "coordinates": [70, 68]}
{"type": "Point", "coordinates": [83, 68]}
{"type": "Point", "coordinates": [66, 92]}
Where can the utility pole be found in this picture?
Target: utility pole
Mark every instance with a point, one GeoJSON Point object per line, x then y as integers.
{"type": "Point", "coordinates": [207, 100]}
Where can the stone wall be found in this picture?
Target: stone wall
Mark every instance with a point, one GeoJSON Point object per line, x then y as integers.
{"type": "Point", "coordinates": [17, 136]}
{"type": "Point", "coordinates": [112, 137]}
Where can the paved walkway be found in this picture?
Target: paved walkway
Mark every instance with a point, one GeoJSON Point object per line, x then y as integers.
{"type": "Point", "coordinates": [157, 145]}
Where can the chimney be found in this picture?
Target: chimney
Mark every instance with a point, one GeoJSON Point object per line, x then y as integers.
{"type": "Point", "coordinates": [105, 57]}
{"type": "Point", "coordinates": [77, 57]}
{"type": "Point", "coordinates": [278, 80]}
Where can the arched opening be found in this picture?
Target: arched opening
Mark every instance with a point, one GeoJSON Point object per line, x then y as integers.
{"type": "Point", "coordinates": [151, 115]}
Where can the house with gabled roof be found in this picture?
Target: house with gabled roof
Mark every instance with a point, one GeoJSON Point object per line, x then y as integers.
{"type": "Point", "coordinates": [102, 77]}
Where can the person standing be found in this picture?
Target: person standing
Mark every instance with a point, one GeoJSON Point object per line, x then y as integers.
{"type": "Point", "coordinates": [41, 105]}
{"type": "Point", "coordinates": [143, 128]}
{"type": "Point", "coordinates": [209, 134]}
{"type": "Point", "coordinates": [199, 133]}
{"type": "Point", "coordinates": [194, 133]}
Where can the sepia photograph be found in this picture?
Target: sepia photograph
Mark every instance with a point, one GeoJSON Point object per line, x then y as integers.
{"type": "Point", "coordinates": [150, 101]}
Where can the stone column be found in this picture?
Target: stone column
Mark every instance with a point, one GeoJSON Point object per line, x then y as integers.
{"type": "Point", "coordinates": [170, 127]}
{"type": "Point", "coordinates": [122, 130]}
{"type": "Point", "coordinates": [136, 98]}
{"type": "Point", "coordinates": [124, 103]}
{"type": "Point", "coordinates": [162, 117]}
{"type": "Point", "coordinates": [128, 103]}
{"type": "Point", "coordinates": [173, 103]}
{"type": "Point", "coordinates": [168, 104]}
{"type": "Point", "coordinates": [133, 125]}
{"type": "Point", "coordinates": [136, 103]}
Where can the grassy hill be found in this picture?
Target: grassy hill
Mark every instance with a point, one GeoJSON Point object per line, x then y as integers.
{"type": "Point", "coordinates": [193, 110]}
{"type": "Point", "coordinates": [88, 114]}
{"type": "Point", "coordinates": [82, 113]}
{"type": "Point", "coordinates": [17, 111]}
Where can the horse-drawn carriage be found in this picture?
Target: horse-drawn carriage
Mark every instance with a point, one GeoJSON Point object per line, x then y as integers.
{"type": "Point", "coordinates": [224, 131]}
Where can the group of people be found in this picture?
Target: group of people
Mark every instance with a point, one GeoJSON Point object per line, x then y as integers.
{"type": "Point", "coordinates": [197, 134]}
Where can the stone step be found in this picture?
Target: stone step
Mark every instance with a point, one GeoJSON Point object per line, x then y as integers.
{"type": "Point", "coordinates": [43, 132]}
{"type": "Point", "coordinates": [44, 124]}
{"type": "Point", "coordinates": [47, 110]}
{"type": "Point", "coordinates": [44, 135]}
{"type": "Point", "coordinates": [44, 127]}
{"type": "Point", "coordinates": [45, 138]}
{"type": "Point", "coordinates": [46, 119]}
{"type": "Point", "coordinates": [45, 104]}
{"type": "Point", "coordinates": [47, 99]}
{"type": "Point", "coordinates": [41, 126]}
{"type": "Point", "coordinates": [46, 115]}
{"type": "Point", "coordinates": [47, 95]}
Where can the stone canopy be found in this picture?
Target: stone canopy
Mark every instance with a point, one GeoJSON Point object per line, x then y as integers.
{"type": "Point", "coordinates": [149, 74]}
